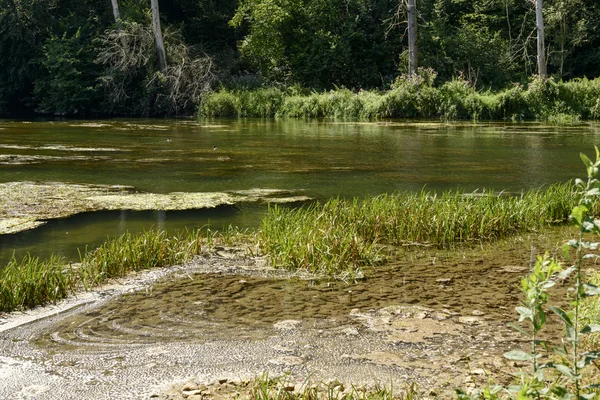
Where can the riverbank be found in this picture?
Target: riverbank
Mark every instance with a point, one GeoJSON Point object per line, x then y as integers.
{"type": "Point", "coordinates": [226, 318]}
{"type": "Point", "coordinates": [339, 238]}
{"type": "Point", "coordinates": [542, 99]}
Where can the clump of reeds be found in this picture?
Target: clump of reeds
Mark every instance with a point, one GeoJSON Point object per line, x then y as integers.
{"type": "Point", "coordinates": [542, 99]}
{"type": "Point", "coordinates": [30, 282]}
{"type": "Point", "coordinates": [267, 388]}
{"type": "Point", "coordinates": [134, 252]}
{"type": "Point", "coordinates": [343, 235]}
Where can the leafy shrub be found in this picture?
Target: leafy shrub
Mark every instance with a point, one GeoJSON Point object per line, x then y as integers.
{"type": "Point", "coordinates": [68, 85]}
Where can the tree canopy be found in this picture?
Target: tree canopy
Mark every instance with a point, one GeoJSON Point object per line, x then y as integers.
{"type": "Point", "coordinates": [60, 56]}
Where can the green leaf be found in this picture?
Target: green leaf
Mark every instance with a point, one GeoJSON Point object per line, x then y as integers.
{"type": "Point", "coordinates": [564, 274]}
{"type": "Point", "coordinates": [591, 290]}
{"type": "Point", "coordinates": [519, 329]}
{"type": "Point", "coordinates": [588, 163]}
{"type": "Point", "coordinates": [590, 328]}
{"type": "Point", "coordinates": [588, 358]}
{"type": "Point", "coordinates": [565, 251]}
{"type": "Point", "coordinates": [518, 355]}
{"type": "Point", "coordinates": [579, 213]}
{"type": "Point", "coordinates": [562, 315]}
{"type": "Point", "coordinates": [525, 313]}
{"type": "Point", "coordinates": [593, 386]}
{"type": "Point", "coordinates": [593, 192]}
{"type": "Point", "coordinates": [588, 226]}
{"type": "Point", "coordinates": [566, 371]}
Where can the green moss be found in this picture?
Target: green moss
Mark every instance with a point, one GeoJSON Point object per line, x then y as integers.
{"type": "Point", "coordinates": [25, 205]}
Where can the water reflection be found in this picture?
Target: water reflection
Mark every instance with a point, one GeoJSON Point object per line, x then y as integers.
{"type": "Point", "coordinates": [67, 237]}
{"type": "Point", "coordinates": [325, 159]}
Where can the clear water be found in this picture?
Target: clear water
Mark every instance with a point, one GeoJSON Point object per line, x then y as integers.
{"type": "Point", "coordinates": [323, 159]}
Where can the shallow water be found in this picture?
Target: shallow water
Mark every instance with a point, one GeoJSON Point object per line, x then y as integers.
{"type": "Point", "coordinates": [323, 159]}
{"type": "Point", "coordinates": [481, 281]}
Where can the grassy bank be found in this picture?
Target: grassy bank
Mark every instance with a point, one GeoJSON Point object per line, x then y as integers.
{"type": "Point", "coordinates": [546, 100]}
{"type": "Point", "coordinates": [31, 282]}
{"type": "Point", "coordinates": [338, 237]}
{"type": "Point", "coordinates": [343, 235]}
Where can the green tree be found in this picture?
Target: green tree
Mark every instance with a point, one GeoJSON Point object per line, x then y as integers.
{"type": "Point", "coordinates": [319, 43]}
{"type": "Point", "coordinates": [67, 83]}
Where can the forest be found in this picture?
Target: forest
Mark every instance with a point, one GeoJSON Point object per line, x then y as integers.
{"type": "Point", "coordinates": [165, 58]}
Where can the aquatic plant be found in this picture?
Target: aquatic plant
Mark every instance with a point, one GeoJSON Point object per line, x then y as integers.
{"type": "Point", "coordinates": [542, 99]}
{"type": "Point", "coordinates": [31, 282]}
{"type": "Point", "coordinates": [345, 235]}
{"type": "Point", "coordinates": [560, 373]}
{"type": "Point", "coordinates": [134, 252]}
{"type": "Point", "coordinates": [268, 388]}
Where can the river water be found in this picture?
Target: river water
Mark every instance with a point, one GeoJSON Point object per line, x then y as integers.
{"type": "Point", "coordinates": [319, 158]}
{"type": "Point", "coordinates": [428, 316]}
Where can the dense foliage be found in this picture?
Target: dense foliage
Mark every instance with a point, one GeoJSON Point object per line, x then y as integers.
{"type": "Point", "coordinates": [543, 99]}
{"type": "Point", "coordinates": [70, 57]}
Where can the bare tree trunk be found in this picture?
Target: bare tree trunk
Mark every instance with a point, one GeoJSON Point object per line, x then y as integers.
{"type": "Point", "coordinates": [539, 19]}
{"type": "Point", "coordinates": [115, 7]}
{"type": "Point", "coordinates": [412, 37]}
{"type": "Point", "coordinates": [160, 46]}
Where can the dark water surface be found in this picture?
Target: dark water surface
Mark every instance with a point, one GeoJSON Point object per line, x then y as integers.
{"type": "Point", "coordinates": [323, 159]}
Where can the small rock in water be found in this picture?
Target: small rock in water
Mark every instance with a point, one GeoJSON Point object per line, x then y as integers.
{"type": "Point", "coordinates": [351, 331]}
{"type": "Point", "coordinates": [189, 386]}
{"type": "Point", "coordinates": [287, 324]}
{"type": "Point", "coordinates": [477, 312]}
{"type": "Point", "coordinates": [469, 320]}
{"type": "Point", "coordinates": [187, 393]}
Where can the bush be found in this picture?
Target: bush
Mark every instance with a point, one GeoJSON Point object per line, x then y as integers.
{"type": "Point", "coordinates": [69, 85]}
{"type": "Point", "coordinates": [416, 97]}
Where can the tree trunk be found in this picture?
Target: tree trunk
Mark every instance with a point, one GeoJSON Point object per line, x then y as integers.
{"type": "Point", "coordinates": [412, 37]}
{"type": "Point", "coordinates": [160, 46]}
{"type": "Point", "coordinates": [115, 7]}
{"type": "Point", "coordinates": [539, 19]}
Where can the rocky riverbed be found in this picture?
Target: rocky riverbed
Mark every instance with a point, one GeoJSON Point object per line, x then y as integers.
{"type": "Point", "coordinates": [208, 328]}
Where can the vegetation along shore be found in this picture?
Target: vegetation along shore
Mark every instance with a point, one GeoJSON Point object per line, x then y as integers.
{"type": "Point", "coordinates": [338, 237]}
{"type": "Point", "coordinates": [311, 58]}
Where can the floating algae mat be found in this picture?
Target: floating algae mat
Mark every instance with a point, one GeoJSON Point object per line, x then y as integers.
{"type": "Point", "coordinates": [27, 205]}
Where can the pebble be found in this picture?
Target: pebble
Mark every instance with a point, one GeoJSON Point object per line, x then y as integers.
{"type": "Point", "coordinates": [350, 331]}
{"type": "Point", "coordinates": [287, 324]}
{"type": "Point", "coordinates": [189, 387]}
{"type": "Point", "coordinates": [469, 320]}
{"type": "Point", "coordinates": [187, 393]}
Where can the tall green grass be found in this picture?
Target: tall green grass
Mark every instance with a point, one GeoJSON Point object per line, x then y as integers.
{"type": "Point", "coordinates": [338, 237]}
{"type": "Point", "coordinates": [31, 282]}
{"type": "Point", "coordinates": [344, 235]}
{"type": "Point", "coordinates": [135, 252]}
{"type": "Point", "coordinates": [267, 388]}
{"type": "Point", "coordinates": [543, 99]}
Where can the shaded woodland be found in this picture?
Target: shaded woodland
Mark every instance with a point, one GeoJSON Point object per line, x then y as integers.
{"type": "Point", "coordinates": [161, 58]}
